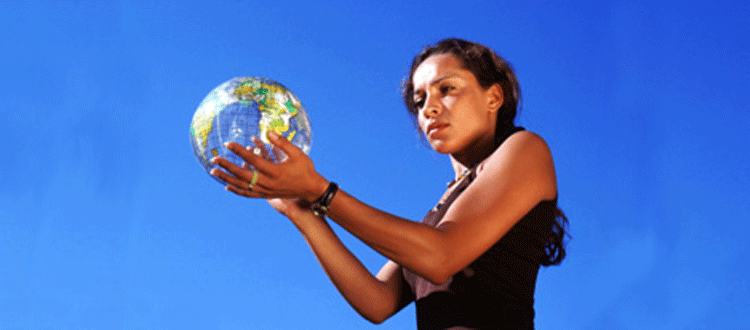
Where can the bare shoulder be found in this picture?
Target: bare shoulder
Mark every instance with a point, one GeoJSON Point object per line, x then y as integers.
{"type": "Point", "coordinates": [524, 155]}
{"type": "Point", "coordinates": [524, 145]}
{"type": "Point", "coordinates": [526, 139]}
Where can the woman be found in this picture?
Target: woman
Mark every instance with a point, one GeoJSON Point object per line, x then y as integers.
{"type": "Point", "coordinates": [473, 261]}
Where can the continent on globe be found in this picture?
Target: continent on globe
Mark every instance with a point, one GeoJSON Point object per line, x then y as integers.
{"type": "Point", "coordinates": [276, 111]}
{"type": "Point", "coordinates": [243, 108]}
{"type": "Point", "coordinates": [199, 130]}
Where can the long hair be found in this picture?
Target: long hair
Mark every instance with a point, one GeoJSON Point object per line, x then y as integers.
{"type": "Point", "coordinates": [489, 69]}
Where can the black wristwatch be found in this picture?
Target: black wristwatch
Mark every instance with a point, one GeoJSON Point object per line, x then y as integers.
{"type": "Point", "coordinates": [320, 205]}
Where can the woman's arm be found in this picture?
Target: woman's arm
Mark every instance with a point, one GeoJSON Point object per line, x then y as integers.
{"type": "Point", "coordinates": [512, 181]}
{"type": "Point", "coordinates": [515, 178]}
{"type": "Point", "coordinates": [375, 298]}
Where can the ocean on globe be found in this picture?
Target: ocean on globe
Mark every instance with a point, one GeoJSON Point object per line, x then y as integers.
{"type": "Point", "coordinates": [243, 108]}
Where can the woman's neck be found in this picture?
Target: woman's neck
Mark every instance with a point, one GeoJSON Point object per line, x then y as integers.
{"type": "Point", "coordinates": [467, 159]}
{"type": "Point", "coordinates": [458, 168]}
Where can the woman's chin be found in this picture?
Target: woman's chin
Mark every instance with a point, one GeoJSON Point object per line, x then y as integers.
{"type": "Point", "coordinates": [440, 147]}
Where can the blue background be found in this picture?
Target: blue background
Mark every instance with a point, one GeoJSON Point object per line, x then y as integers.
{"type": "Point", "coordinates": [108, 221]}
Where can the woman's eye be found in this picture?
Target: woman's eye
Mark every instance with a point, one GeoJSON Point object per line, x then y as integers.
{"type": "Point", "coordinates": [446, 88]}
{"type": "Point", "coordinates": [418, 103]}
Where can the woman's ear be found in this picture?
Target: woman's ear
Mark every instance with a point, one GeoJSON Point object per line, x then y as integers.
{"type": "Point", "coordinates": [494, 97]}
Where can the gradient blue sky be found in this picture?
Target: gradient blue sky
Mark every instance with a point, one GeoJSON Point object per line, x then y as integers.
{"type": "Point", "coordinates": [108, 222]}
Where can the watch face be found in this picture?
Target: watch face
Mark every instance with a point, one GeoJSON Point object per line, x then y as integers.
{"type": "Point", "coordinates": [320, 206]}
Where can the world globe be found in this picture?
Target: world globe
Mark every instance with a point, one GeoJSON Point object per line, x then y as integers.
{"type": "Point", "coordinates": [243, 108]}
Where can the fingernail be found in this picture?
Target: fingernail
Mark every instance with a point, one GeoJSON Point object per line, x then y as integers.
{"type": "Point", "coordinates": [214, 160]}
{"type": "Point", "coordinates": [272, 135]}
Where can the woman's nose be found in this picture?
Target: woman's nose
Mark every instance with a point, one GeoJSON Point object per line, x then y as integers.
{"type": "Point", "coordinates": [431, 107]}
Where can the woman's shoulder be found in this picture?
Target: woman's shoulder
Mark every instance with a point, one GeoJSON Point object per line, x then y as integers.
{"type": "Point", "coordinates": [521, 146]}
{"type": "Point", "coordinates": [523, 158]}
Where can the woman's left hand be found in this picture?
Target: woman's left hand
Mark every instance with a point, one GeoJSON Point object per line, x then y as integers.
{"type": "Point", "coordinates": [259, 177]}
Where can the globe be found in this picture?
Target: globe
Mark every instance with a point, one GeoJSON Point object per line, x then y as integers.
{"type": "Point", "coordinates": [243, 108]}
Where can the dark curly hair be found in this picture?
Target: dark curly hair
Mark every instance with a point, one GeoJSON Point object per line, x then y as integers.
{"type": "Point", "coordinates": [490, 69]}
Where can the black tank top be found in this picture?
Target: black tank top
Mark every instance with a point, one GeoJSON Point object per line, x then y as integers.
{"type": "Point", "coordinates": [496, 291]}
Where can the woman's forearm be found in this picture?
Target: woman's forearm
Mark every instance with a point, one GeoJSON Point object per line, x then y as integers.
{"type": "Point", "coordinates": [372, 298]}
{"type": "Point", "coordinates": [413, 245]}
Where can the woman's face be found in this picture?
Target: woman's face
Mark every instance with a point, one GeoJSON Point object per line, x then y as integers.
{"type": "Point", "coordinates": [456, 115]}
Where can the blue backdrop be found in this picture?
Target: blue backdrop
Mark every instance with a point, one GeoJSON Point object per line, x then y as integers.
{"type": "Point", "coordinates": [107, 220]}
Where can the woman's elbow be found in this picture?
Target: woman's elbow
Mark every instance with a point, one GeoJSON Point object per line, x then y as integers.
{"type": "Point", "coordinates": [438, 277]}
{"type": "Point", "coordinates": [438, 271]}
{"type": "Point", "coordinates": [376, 318]}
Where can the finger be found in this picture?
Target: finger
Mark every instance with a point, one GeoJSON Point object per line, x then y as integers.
{"type": "Point", "coordinates": [255, 192]}
{"type": "Point", "coordinates": [228, 178]}
{"type": "Point", "coordinates": [280, 155]}
{"type": "Point", "coordinates": [285, 145]}
{"type": "Point", "coordinates": [244, 192]}
{"type": "Point", "coordinates": [241, 180]}
{"type": "Point", "coordinates": [251, 158]}
{"type": "Point", "coordinates": [253, 183]}
{"type": "Point", "coordinates": [238, 172]}
{"type": "Point", "coordinates": [260, 148]}
{"type": "Point", "coordinates": [250, 155]}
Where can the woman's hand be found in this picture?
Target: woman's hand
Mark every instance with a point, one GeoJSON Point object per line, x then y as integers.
{"type": "Point", "coordinates": [291, 208]}
{"type": "Point", "coordinates": [298, 212]}
{"type": "Point", "coordinates": [259, 177]}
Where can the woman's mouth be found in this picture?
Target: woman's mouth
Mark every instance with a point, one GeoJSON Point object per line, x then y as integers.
{"type": "Point", "coordinates": [435, 128]}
